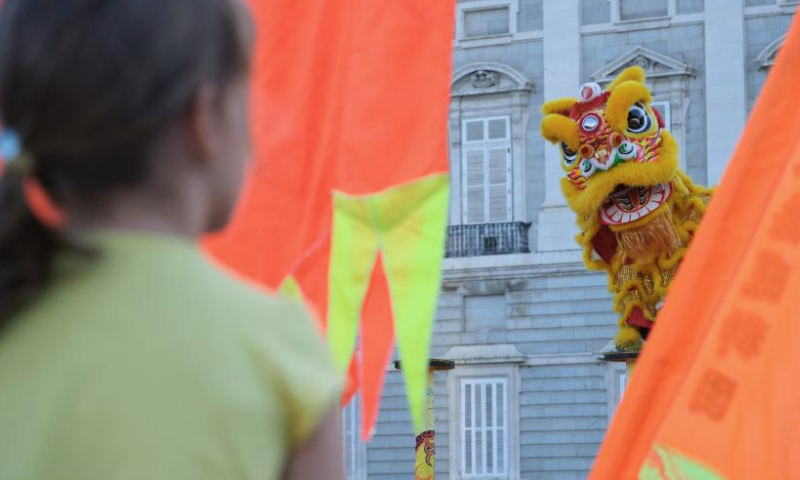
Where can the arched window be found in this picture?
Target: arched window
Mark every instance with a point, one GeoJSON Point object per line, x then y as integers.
{"type": "Point", "coordinates": [488, 119]}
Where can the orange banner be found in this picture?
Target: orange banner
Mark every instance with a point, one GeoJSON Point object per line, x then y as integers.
{"type": "Point", "coordinates": [349, 184]}
{"type": "Point", "coordinates": [715, 393]}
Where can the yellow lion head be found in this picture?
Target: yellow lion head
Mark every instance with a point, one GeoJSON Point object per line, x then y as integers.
{"type": "Point", "coordinates": [619, 160]}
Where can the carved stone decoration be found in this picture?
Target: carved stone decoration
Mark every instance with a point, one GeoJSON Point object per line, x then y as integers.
{"type": "Point", "coordinates": [767, 56]}
{"type": "Point", "coordinates": [484, 79]}
{"type": "Point", "coordinates": [641, 61]}
{"type": "Point", "coordinates": [656, 65]}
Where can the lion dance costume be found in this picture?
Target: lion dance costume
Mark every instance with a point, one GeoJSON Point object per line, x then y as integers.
{"type": "Point", "coordinates": [637, 211]}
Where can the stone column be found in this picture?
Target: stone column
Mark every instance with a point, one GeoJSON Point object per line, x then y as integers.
{"type": "Point", "coordinates": [726, 97]}
{"type": "Point", "coordinates": [562, 78]}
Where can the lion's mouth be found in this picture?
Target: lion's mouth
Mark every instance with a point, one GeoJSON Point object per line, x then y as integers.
{"type": "Point", "coordinates": [627, 204]}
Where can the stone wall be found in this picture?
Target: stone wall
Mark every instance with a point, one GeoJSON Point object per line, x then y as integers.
{"type": "Point", "coordinates": [759, 33]}
{"type": "Point", "coordinates": [530, 15]}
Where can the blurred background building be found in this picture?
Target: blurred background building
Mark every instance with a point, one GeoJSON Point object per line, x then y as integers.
{"type": "Point", "coordinates": [519, 314]}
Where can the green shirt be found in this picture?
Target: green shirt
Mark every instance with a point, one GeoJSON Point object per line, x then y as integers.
{"type": "Point", "coordinates": [149, 363]}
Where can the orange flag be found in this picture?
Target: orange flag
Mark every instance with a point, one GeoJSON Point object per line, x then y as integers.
{"type": "Point", "coordinates": [346, 204]}
{"type": "Point", "coordinates": [715, 394]}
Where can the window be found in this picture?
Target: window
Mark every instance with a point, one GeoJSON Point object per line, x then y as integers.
{"type": "Point", "coordinates": [484, 427]}
{"type": "Point", "coordinates": [643, 9]}
{"type": "Point", "coordinates": [487, 22]}
{"type": "Point", "coordinates": [684, 7]}
{"type": "Point", "coordinates": [487, 183]}
{"type": "Point", "coordinates": [488, 119]}
{"type": "Point", "coordinates": [484, 412]}
{"type": "Point", "coordinates": [616, 383]}
{"type": "Point", "coordinates": [663, 109]}
{"type": "Point", "coordinates": [353, 449]}
{"type": "Point", "coordinates": [622, 384]}
{"type": "Point", "coordinates": [674, 125]}
{"type": "Point", "coordinates": [484, 313]}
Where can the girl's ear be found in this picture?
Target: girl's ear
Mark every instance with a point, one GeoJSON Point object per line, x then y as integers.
{"type": "Point", "coordinates": [200, 119]}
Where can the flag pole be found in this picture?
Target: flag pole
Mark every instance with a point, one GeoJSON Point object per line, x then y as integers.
{"type": "Point", "coordinates": [611, 354]}
{"type": "Point", "coordinates": [425, 450]}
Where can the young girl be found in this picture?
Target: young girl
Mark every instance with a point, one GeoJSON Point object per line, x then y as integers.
{"type": "Point", "coordinates": [123, 353]}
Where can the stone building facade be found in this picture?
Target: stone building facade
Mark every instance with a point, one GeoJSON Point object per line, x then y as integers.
{"type": "Point", "coordinates": [518, 312]}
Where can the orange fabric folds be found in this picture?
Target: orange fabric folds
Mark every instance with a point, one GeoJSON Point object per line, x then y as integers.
{"type": "Point", "coordinates": [349, 111]}
{"type": "Point", "coordinates": [715, 393]}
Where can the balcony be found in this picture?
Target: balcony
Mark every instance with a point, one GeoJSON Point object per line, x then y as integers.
{"type": "Point", "coordinates": [487, 239]}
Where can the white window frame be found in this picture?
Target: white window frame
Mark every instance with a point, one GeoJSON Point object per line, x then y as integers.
{"type": "Point", "coordinates": [510, 374]}
{"type": "Point", "coordinates": [464, 7]}
{"type": "Point", "coordinates": [480, 384]}
{"type": "Point", "coordinates": [788, 6]}
{"type": "Point", "coordinates": [667, 107]}
{"type": "Point", "coordinates": [616, 12]}
{"type": "Point", "coordinates": [674, 94]}
{"type": "Point", "coordinates": [486, 144]}
{"type": "Point", "coordinates": [355, 466]}
{"type": "Point", "coordinates": [778, 8]}
{"type": "Point", "coordinates": [616, 383]}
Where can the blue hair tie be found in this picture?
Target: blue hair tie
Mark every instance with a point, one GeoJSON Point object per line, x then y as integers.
{"type": "Point", "coordinates": [10, 145]}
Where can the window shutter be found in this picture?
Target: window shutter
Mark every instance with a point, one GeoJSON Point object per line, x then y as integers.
{"type": "Point", "coordinates": [499, 198]}
{"type": "Point", "coordinates": [474, 131]}
{"type": "Point", "coordinates": [476, 187]}
{"type": "Point", "coordinates": [353, 450]}
{"type": "Point", "coordinates": [480, 451]}
{"type": "Point", "coordinates": [347, 441]}
{"type": "Point", "coordinates": [484, 412]}
{"type": "Point", "coordinates": [639, 9]}
{"type": "Point", "coordinates": [487, 21]}
{"type": "Point", "coordinates": [468, 456]}
{"type": "Point", "coordinates": [502, 414]}
{"type": "Point", "coordinates": [491, 431]}
{"type": "Point", "coordinates": [486, 191]}
{"type": "Point", "coordinates": [498, 129]}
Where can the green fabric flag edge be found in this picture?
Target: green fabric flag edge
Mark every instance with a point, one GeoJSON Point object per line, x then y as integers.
{"type": "Point", "coordinates": [408, 225]}
{"type": "Point", "coordinates": [665, 463]}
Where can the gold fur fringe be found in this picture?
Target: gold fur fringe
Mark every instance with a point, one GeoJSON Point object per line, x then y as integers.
{"type": "Point", "coordinates": [644, 244]}
{"type": "Point", "coordinates": [644, 284]}
{"type": "Point", "coordinates": [649, 250]}
{"type": "Point", "coordinates": [628, 339]}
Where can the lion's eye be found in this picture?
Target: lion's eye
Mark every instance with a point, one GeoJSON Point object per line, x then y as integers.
{"type": "Point", "coordinates": [570, 155]}
{"type": "Point", "coordinates": [638, 119]}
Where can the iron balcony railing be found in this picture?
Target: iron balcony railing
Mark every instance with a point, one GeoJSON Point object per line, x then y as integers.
{"type": "Point", "coordinates": [487, 239]}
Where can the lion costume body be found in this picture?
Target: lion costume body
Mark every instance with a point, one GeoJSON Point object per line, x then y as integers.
{"type": "Point", "coordinates": [637, 211]}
